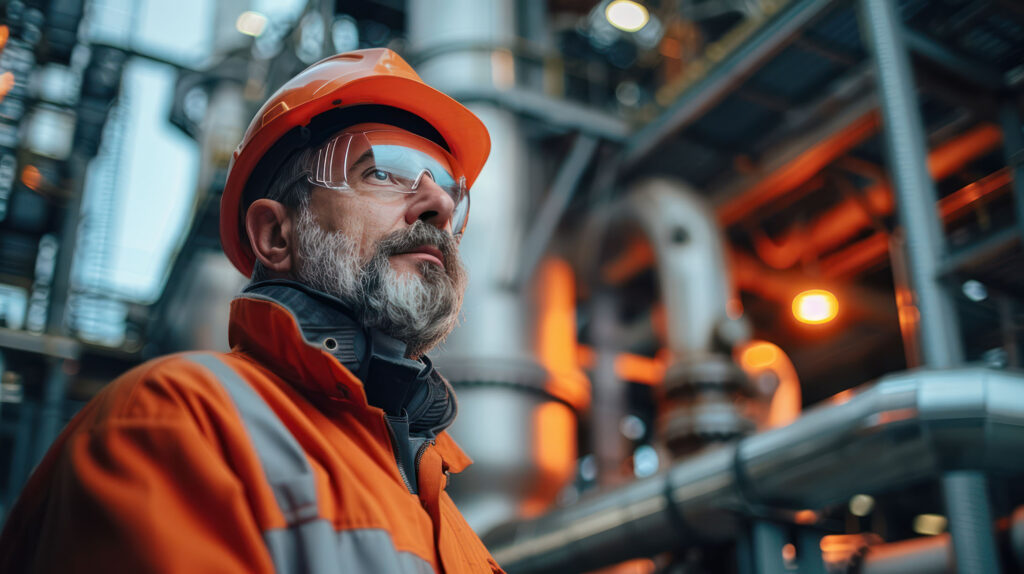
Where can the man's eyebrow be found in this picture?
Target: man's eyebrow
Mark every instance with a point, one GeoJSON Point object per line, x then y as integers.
{"type": "Point", "coordinates": [367, 155]}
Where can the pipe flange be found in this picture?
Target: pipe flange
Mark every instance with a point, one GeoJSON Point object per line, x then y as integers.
{"type": "Point", "coordinates": [690, 427]}
{"type": "Point", "coordinates": [718, 372]}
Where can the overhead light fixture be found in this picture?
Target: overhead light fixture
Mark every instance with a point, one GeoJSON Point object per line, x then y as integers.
{"type": "Point", "coordinates": [930, 524]}
{"type": "Point", "coordinates": [815, 306]}
{"type": "Point", "coordinates": [974, 290]}
{"type": "Point", "coordinates": [251, 23]}
{"type": "Point", "coordinates": [861, 505]}
{"type": "Point", "coordinates": [626, 15]}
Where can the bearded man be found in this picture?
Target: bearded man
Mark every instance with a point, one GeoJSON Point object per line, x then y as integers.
{"type": "Point", "coordinates": [317, 444]}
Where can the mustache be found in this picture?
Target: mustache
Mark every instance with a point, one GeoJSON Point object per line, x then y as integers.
{"type": "Point", "coordinates": [417, 235]}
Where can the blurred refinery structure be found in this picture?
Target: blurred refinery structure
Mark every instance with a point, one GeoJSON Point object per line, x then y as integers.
{"type": "Point", "coordinates": [747, 275]}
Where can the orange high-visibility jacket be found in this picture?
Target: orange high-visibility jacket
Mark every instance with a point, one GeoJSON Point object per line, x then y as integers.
{"type": "Point", "coordinates": [268, 458]}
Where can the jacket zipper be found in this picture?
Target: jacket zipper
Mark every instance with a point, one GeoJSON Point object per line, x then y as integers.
{"type": "Point", "coordinates": [398, 459]}
{"type": "Point", "coordinates": [420, 452]}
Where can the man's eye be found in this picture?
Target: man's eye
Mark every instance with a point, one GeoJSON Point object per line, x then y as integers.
{"type": "Point", "coordinates": [375, 176]}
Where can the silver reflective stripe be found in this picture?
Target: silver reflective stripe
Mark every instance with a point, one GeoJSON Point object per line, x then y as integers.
{"type": "Point", "coordinates": [304, 547]}
{"type": "Point", "coordinates": [308, 543]}
{"type": "Point", "coordinates": [353, 551]}
{"type": "Point", "coordinates": [283, 460]}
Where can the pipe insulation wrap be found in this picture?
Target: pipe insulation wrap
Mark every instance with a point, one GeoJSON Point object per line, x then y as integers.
{"type": "Point", "coordinates": [907, 427]}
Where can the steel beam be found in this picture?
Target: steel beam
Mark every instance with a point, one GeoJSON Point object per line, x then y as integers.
{"type": "Point", "coordinates": [49, 345]}
{"type": "Point", "coordinates": [554, 112]}
{"type": "Point", "coordinates": [915, 190]}
{"type": "Point", "coordinates": [723, 78]}
{"type": "Point", "coordinates": [1013, 146]}
{"type": "Point", "coordinates": [562, 189]}
{"type": "Point", "coordinates": [978, 73]}
{"type": "Point", "coordinates": [767, 539]}
{"type": "Point", "coordinates": [966, 497]}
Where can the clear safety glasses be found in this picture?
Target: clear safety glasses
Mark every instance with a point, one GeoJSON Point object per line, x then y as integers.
{"type": "Point", "coordinates": [385, 162]}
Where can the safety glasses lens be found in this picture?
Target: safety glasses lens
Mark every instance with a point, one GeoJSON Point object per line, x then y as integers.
{"type": "Point", "coordinates": [388, 162]}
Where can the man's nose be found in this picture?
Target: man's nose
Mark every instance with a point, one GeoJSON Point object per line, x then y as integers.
{"type": "Point", "coordinates": [430, 204]}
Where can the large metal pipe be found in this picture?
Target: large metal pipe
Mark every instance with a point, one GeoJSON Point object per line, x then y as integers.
{"type": "Point", "coordinates": [491, 360]}
{"type": "Point", "coordinates": [691, 260]}
{"type": "Point", "coordinates": [934, 554]}
{"type": "Point", "coordinates": [686, 245]}
{"type": "Point", "coordinates": [931, 555]}
{"type": "Point", "coordinates": [908, 427]}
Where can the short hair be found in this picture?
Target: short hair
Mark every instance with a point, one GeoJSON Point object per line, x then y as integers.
{"type": "Point", "coordinates": [291, 188]}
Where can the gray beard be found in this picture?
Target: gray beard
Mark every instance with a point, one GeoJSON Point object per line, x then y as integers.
{"type": "Point", "coordinates": [419, 310]}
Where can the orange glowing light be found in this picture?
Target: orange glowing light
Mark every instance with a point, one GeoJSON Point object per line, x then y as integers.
{"type": "Point", "coordinates": [31, 177]}
{"type": "Point", "coordinates": [815, 306]}
{"type": "Point", "coordinates": [805, 517]}
{"type": "Point", "coordinates": [759, 355]}
{"type": "Point", "coordinates": [841, 547]}
{"type": "Point", "coordinates": [6, 83]}
{"type": "Point", "coordinates": [4, 33]}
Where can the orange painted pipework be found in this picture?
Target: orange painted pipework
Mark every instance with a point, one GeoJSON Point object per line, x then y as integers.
{"type": "Point", "coordinates": [556, 333]}
{"type": "Point", "coordinates": [874, 250]}
{"type": "Point", "coordinates": [847, 219]}
{"type": "Point", "coordinates": [751, 276]}
{"type": "Point", "coordinates": [635, 258]}
{"type": "Point", "coordinates": [795, 173]}
{"type": "Point", "coordinates": [759, 357]}
{"type": "Point", "coordinates": [629, 367]}
{"type": "Point", "coordinates": [554, 423]}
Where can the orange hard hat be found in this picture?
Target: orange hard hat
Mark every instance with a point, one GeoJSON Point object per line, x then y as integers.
{"type": "Point", "coordinates": [336, 92]}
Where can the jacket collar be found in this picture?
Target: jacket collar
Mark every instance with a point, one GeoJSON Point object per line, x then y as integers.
{"type": "Point", "coordinates": [316, 343]}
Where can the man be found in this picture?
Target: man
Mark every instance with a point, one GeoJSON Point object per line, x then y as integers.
{"type": "Point", "coordinates": [317, 444]}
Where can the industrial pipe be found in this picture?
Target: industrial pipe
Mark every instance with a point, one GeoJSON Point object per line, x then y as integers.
{"type": "Point", "coordinates": [681, 238]}
{"type": "Point", "coordinates": [517, 425]}
{"type": "Point", "coordinates": [844, 221]}
{"type": "Point", "coordinates": [692, 266]}
{"type": "Point", "coordinates": [934, 554]}
{"type": "Point", "coordinates": [874, 249]}
{"type": "Point", "coordinates": [908, 427]}
{"type": "Point", "coordinates": [679, 234]}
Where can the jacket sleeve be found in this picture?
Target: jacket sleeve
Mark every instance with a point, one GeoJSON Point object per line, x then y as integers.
{"type": "Point", "coordinates": [147, 496]}
{"type": "Point", "coordinates": [151, 476]}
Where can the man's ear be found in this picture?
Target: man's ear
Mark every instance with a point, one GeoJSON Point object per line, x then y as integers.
{"type": "Point", "coordinates": [271, 232]}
